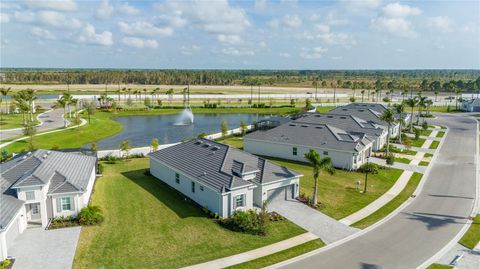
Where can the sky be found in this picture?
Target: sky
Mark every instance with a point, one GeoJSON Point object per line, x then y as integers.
{"type": "Point", "coordinates": [222, 34]}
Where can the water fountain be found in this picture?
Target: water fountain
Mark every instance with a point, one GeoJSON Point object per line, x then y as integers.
{"type": "Point", "coordinates": [186, 117]}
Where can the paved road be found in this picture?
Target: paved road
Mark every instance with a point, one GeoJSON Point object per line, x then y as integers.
{"type": "Point", "coordinates": [428, 223]}
{"type": "Point", "coordinates": [51, 120]}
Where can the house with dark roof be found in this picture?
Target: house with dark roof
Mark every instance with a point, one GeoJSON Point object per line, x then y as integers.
{"type": "Point", "coordinates": [348, 149]}
{"type": "Point", "coordinates": [349, 123]}
{"type": "Point", "coordinates": [41, 185]}
{"type": "Point", "coordinates": [221, 178]}
{"type": "Point", "coordinates": [472, 105]}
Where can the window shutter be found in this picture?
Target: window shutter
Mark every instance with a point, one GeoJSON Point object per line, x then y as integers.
{"type": "Point", "coordinates": [59, 204]}
{"type": "Point", "coordinates": [72, 202]}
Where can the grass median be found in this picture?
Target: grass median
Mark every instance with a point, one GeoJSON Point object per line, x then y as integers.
{"type": "Point", "coordinates": [392, 205]}
{"type": "Point", "coordinates": [472, 236]}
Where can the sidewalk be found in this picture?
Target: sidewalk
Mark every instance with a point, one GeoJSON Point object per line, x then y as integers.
{"type": "Point", "coordinates": [256, 253]}
{"type": "Point", "coordinates": [395, 190]}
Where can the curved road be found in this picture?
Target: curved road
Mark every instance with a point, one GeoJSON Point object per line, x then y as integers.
{"type": "Point", "coordinates": [421, 229]}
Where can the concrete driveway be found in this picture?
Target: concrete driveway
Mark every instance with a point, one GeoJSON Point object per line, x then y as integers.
{"type": "Point", "coordinates": [37, 248]}
{"type": "Point", "coordinates": [328, 229]}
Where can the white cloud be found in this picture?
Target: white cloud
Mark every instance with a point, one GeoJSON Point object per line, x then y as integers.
{"type": "Point", "coordinates": [263, 44]}
{"type": "Point", "coordinates": [397, 10]}
{"type": "Point", "coordinates": [261, 4]}
{"type": "Point", "coordinates": [104, 11]}
{"type": "Point", "coordinates": [361, 4]}
{"type": "Point", "coordinates": [313, 53]}
{"type": "Point", "coordinates": [336, 58]}
{"type": "Point", "coordinates": [293, 21]}
{"type": "Point", "coordinates": [274, 23]}
{"type": "Point", "coordinates": [440, 23]}
{"type": "Point", "coordinates": [142, 28]}
{"type": "Point", "coordinates": [60, 5]}
{"type": "Point", "coordinates": [220, 18]}
{"type": "Point", "coordinates": [394, 20]}
{"type": "Point", "coordinates": [42, 33]}
{"type": "Point", "coordinates": [189, 50]}
{"type": "Point", "coordinates": [88, 35]}
{"type": "Point", "coordinates": [323, 33]}
{"type": "Point", "coordinates": [322, 28]}
{"type": "Point", "coordinates": [230, 39]}
{"type": "Point", "coordinates": [284, 54]}
{"type": "Point", "coordinates": [236, 52]}
{"type": "Point", "coordinates": [24, 16]}
{"type": "Point", "coordinates": [4, 17]}
{"type": "Point", "coordinates": [174, 19]}
{"type": "Point", "coordinates": [127, 9]}
{"type": "Point", "coordinates": [140, 43]}
{"type": "Point", "coordinates": [57, 19]}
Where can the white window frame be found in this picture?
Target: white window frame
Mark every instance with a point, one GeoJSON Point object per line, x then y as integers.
{"type": "Point", "coordinates": [35, 209]}
{"type": "Point", "coordinates": [242, 196]}
{"type": "Point", "coordinates": [30, 193]}
{"type": "Point", "coordinates": [63, 203]}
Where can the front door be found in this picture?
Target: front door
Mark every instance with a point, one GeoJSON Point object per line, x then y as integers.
{"type": "Point", "coordinates": [33, 212]}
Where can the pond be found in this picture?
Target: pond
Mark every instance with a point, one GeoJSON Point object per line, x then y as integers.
{"type": "Point", "coordinates": [139, 130]}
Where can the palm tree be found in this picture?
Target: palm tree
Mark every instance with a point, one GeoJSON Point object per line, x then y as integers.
{"type": "Point", "coordinates": [315, 84]}
{"type": "Point", "coordinates": [318, 165]}
{"type": "Point", "coordinates": [5, 92]}
{"type": "Point", "coordinates": [67, 97]}
{"type": "Point", "coordinates": [62, 102]}
{"type": "Point", "coordinates": [457, 92]}
{"type": "Point", "coordinates": [144, 93]}
{"type": "Point", "coordinates": [363, 94]}
{"type": "Point", "coordinates": [411, 102]}
{"type": "Point", "coordinates": [22, 103]}
{"type": "Point", "coordinates": [436, 94]}
{"type": "Point", "coordinates": [399, 110]}
{"type": "Point", "coordinates": [389, 117]}
{"type": "Point", "coordinates": [31, 97]}
{"type": "Point", "coordinates": [368, 168]}
{"type": "Point", "coordinates": [421, 104]}
{"type": "Point", "coordinates": [428, 103]}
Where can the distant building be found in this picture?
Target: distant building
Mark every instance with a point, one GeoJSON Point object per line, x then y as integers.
{"type": "Point", "coordinates": [472, 105]}
{"type": "Point", "coordinates": [41, 185]}
{"type": "Point", "coordinates": [221, 178]}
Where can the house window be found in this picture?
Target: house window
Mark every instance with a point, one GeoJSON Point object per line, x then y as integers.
{"type": "Point", "coordinates": [201, 187]}
{"type": "Point", "coordinates": [325, 153]}
{"type": "Point", "coordinates": [177, 178]}
{"type": "Point", "coordinates": [30, 195]}
{"type": "Point", "coordinates": [66, 203]}
{"type": "Point", "coordinates": [294, 151]}
{"type": "Point", "coordinates": [239, 200]}
{"type": "Point", "coordinates": [34, 208]}
{"type": "Point", "coordinates": [193, 186]}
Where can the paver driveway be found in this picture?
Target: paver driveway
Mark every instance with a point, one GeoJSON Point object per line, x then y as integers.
{"type": "Point", "coordinates": [37, 248]}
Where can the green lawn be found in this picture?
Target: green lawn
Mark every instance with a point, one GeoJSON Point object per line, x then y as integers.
{"type": "Point", "coordinates": [439, 266]}
{"type": "Point", "coordinates": [11, 121]}
{"type": "Point", "coordinates": [280, 256]}
{"type": "Point", "coordinates": [425, 132]}
{"type": "Point", "coordinates": [434, 145]}
{"type": "Point", "coordinates": [337, 192]}
{"type": "Point", "coordinates": [418, 142]}
{"type": "Point", "coordinates": [392, 205]}
{"type": "Point", "coordinates": [440, 134]}
{"type": "Point", "coordinates": [424, 163]}
{"type": "Point", "coordinates": [472, 236]}
{"type": "Point", "coordinates": [402, 160]}
{"type": "Point", "coordinates": [149, 225]}
{"type": "Point", "coordinates": [324, 109]}
{"type": "Point", "coordinates": [234, 141]}
{"type": "Point", "coordinates": [102, 126]}
{"type": "Point", "coordinates": [428, 155]}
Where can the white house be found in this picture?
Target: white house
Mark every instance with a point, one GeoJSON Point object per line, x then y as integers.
{"type": "Point", "coordinates": [41, 185]}
{"type": "Point", "coordinates": [347, 149]}
{"type": "Point", "coordinates": [472, 105]}
{"type": "Point", "coordinates": [221, 178]}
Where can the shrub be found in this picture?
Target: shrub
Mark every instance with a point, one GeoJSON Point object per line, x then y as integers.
{"type": "Point", "coordinates": [62, 222]}
{"type": "Point", "coordinates": [390, 159]}
{"type": "Point", "coordinates": [247, 222]}
{"type": "Point", "coordinates": [202, 135]}
{"type": "Point", "coordinates": [101, 168]}
{"type": "Point", "coordinates": [417, 133]}
{"type": "Point", "coordinates": [424, 125]}
{"type": "Point", "coordinates": [90, 215]}
{"type": "Point", "coordinates": [386, 99]}
{"type": "Point", "coordinates": [109, 159]}
{"type": "Point", "coordinates": [352, 99]}
{"type": "Point", "coordinates": [5, 263]}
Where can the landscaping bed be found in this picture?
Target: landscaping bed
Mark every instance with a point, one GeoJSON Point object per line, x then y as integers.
{"type": "Point", "coordinates": [471, 238]}
{"type": "Point", "coordinates": [149, 225]}
{"type": "Point", "coordinates": [434, 145]}
{"type": "Point", "coordinates": [440, 134]}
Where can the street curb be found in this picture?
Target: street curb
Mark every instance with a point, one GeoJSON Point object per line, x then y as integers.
{"type": "Point", "coordinates": [38, 125]}
{"type": "Point", "coordinates": [475, 208]}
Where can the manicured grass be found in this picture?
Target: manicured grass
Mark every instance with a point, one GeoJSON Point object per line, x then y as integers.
{"type": "Point", "coordinates": [418, 142]}
{"type": "Point", "coordinates": [325, 109]}
{"type": "Point", "coordinates": [434, 145]}
{"type": "Point", "coordinates": [234, 141]}
{"type": "Point", "coordinates": [394, 149]}
{"type": "Point", "coordinates": [443, 127]}
{"type": "Point", "coordinates": [402, 160]}
{"type": "Point", "coordinates": [423, 163]}
{"type": "Point", "coordinates": [103, 125]}
{"type": "Point", "coordinates": [337, 193]}
{"type": "Point", "coordinates": [440, 134]}
{"type": "Point", "coordinates": [439, 266]}
{"type": "Point", "coordinates": [425, 132]}
{"type": "Point", "coordinates": [472, 236]}
{"type": "Point", "coordinates": [392, 205]}
{"type": "Point", "coordinates": [149, 225]}
{"type": "Point", "coordinates": [428, 155]}
{"type": "Point", "coordinates": [280, 256]}
{"type": "Point", "coordinates": [11, 121]}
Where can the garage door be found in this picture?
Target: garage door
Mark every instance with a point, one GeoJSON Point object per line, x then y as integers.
{"type": "Point", "coordinates": [281, 193]}
{"type": "Point", "coordinates": [13, 232]}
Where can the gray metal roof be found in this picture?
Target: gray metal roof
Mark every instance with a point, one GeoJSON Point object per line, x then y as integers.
{"type": "Point", "coordinates": [344, 122]}
{"type": "Point", "coordinates": [39, 168]}
{"type": "Point", "coordinates": [323, 136]}
{"type": "Point", "coordinates": [218, 165]}
{"type": "Point", "coordinates": [367, 114]}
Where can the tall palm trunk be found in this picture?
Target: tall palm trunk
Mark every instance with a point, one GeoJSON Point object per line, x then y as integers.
{"type": "Point", "coordinates": [64, 119]}
{"type": "Point", "coordinates": [411, 121]}
{"type": "Point", "coordinates": [315, 190]}
{"type": "Point", "coordinates": [400, 131]}
{"type": "Point", "coordinates": [365, 186]}
{"type": "Point", "coordinates": [388, 141]}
